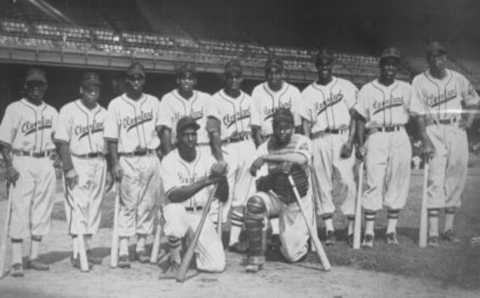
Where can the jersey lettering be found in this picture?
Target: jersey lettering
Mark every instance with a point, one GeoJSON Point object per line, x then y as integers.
{"type": "Point", "coordinates": [31, 127]}
{"type": "Point", "coordinates": [132, 122]}
{"type": "Point", "coordinates": [379, 106]}
{"type": "Point", "coordinates": [229, 119]}
{"type": "Point", "coordinates": [81, 130]}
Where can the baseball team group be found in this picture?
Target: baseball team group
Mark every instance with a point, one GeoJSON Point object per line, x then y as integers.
{"type": "Point", "coordinates": [263, 164]}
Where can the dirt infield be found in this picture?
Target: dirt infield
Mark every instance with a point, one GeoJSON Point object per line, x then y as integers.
{"type": "Point", "coordinates": [404, 271]}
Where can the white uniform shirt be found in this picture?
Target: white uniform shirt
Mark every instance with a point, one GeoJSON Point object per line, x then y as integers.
{"type": "Point", "coordinates": [387, 105]}
{"type": "Point", "coordinates": [173, 107]}
{"type": "Point", "coordinates": [328, 106]}
{"type": "Point", "coordinates": [443, 98]}
{"type": "Point", "coordinates": [233, 113]}
{"type": "Point", "coordinates": [133, 122]}
{"type": "Point", "coordinates": [28, 127]}
{"type": "Point", "coordinates": [178, 172]}
{"type": "Point", "coordinates": [265, 101]}
{"type": "Point", "coordinates": [81, 127]}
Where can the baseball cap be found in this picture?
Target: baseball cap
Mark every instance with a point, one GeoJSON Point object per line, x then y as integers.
{"type": "Point", "coordinates": [233, 66]}
{"type": "Point", "coordinates": [390, 52]}
{"type": "Point", "coordinates": [91, 78]}
{"type": "Point", "coordinates": [185, 68]}
{"type": "Point", "coordinates": [274, 62]}
{"type": "Point", "coordinates": [435, 48]}
{"type": "Point", "coordinates": [136, 68]}
{"type": "Point", "coordinates": [36, 75]}
{"type": "Point", "coordinates": [186, 122]}
{"type": "Point", "coordinates": [324, 54]}
{"type": "Point", "coordinates": [283, 114]}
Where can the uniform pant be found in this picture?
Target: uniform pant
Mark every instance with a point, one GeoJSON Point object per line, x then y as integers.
{"type": "Point", "coordinates": [326, 160]}
{"type": "Point", "coordinates": [293, 231]}
{"type": "Point", "coordinates": [388, 170]}
{"type": "Point", "coordinates": [448, 167]}
{"type": "Point", "coordinates": [84, 200]}
{"type": "Point", "coordinates": [180, 223]}
{"type": "Point", "coordinates": [32, 197]}
{"type": "Point", "coordinates": [139, 189]}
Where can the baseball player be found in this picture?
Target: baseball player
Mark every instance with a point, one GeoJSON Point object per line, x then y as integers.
{"type": "Point", "coordinates": [180, 102]}
{"type": "Point", "coordinates": [384, 106]}
{"type": "Point", "coordinates": [325, 113]}
{"type": "Point", "coordinates": [26, 141]}
{"type": "Point", "coordinates": [188, 175]}
{"type": "Point", "coordinates": [268, 96]}
{"type": "Point", "coordinates": [80, 143]}
{"type": "Point", "coordinates": [228, 125]}
{"type": "Point", "coordinates": [283, 154]}
{"type": "Point", "coordinates": [445, 94]}
{"type": "Point", "coordinates": [131, 132]}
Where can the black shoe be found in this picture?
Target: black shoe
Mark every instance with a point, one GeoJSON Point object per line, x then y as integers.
{"type": "Point", "coordinates": [239, 247]}
{"type": "Point", "coordinates": [142, 256]}
{"type": "Point", "coordinates": [331, 239]}
{"type": "Point", "coordinates": [36, 264]}
{"type": "Point", "coordinates": [433, 241]}
{"type": "Point", "coordinates": [350, 240]}
{"type": "Point", "coordinates": [449, 236]}
{"type": "Point", "coordinates": [392, 239]}
{"type": "Point", "coordinates": [124, 262]}
{"type": "Point", "coordinates": [93, 260]}
{"type": "Point", "coordinates": [17, 270]}
{"type": "Point", "coordinates": [367, 241]}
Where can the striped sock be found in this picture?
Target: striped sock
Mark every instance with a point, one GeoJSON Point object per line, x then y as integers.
{"type": "Point", "coordinates": [449, 218]}
{"type": "Point", "coordinates": [123, 245]}
{"type": "Point", "coordinates": [17, 251]}
{"type": "Point", "coordinates": [369, 222]}
{"type": "Point", "coordinates": [328, 221]}
{"type": "Point", "coordinates": [236, 221]}
{"type": "Point", "coordinates": [433, 222]}
{"type": "Point", "coordinates": [392, 220]}
{"type": "Point", "coordinates": [141, 239]}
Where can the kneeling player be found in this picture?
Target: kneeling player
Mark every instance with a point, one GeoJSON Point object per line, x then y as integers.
{"type": "Point", "coordinates": [188, 175]}
{"type": "Point", "coordinates": [283, 154]}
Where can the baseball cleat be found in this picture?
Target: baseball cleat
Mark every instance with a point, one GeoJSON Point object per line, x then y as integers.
{"type": "Point", "coordinates": [36, 264]}
{"type": "Point", "coordinates": [93, 259]}
{"type": "Point", "coordinates": [392, 238]}
{"type": "Point", "coordinates": [367, 241]}
{"type": "Point", "coordinates": [330, 240]}
{"type": "Point", "coordinates": [449, 236]}
{"type": "Point", "coordinates": [432, 241]}
{"type": "Point", "coordinates": [124, 262]}
{"type": "Point", "coordinates": [350, 240]}
{"type": "Point", "coordinates": [253, 268]}
{"type": "Point", "coordinates": [239, 247]}
{"type": "Point", "coordinates": [17, 270]}
{"type": "Point", "coordinates": [142, 256]}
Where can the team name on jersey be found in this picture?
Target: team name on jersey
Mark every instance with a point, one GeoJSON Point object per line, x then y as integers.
{"type": "Point", "coordinates": [269, 111]}
{"type": "Point", "coordinates": [435, 100]}
{"type": "Point", "coordinates": [31, 127]}
{"type": "Point", "coordinates": [230, 119]}
{"type": "Point", "coordinates": [379, 106]}
{"type": "Point", "coordinates": [320, 107]}
{"type": "Point", "coordinates": [196, 115]}
{"type": "Point", "coordinates": [131, 122]}
{"type": "Point", "coordinates": [186, 180]}
{"type": "Point", "coordinates": [82, 130]}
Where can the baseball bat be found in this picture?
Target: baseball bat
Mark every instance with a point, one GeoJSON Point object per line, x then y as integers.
{"type": "Point", "coordinates": [422, 231]}
{"type": "Point", "coordinates": [156, 242]}
{"type": "Point", "coordinates": [114, 248]}
{"type": "Point", "coordinates": [316, 200]}
{"type": "Point", "coordinates": [313, 233]}
{"type": "Point", "coordinates": [187, 258]}
{"type": "Point", "coordinates": [4, 240]}
{"type": "Point", "coordinates": [220, 220]}
{"type": "Point", "coordinates": [357, 225]}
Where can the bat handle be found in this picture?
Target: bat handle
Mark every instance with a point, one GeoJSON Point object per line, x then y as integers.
{"type": "Point", "coordinates": [357, 225]}
{"type": "Point", "coordinates": [422, 231]}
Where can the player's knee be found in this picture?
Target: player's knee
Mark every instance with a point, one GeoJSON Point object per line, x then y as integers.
{"type": "Point", "coordinates": [256, 205]}
{"type": "Point", "coordinates": [255, 213]}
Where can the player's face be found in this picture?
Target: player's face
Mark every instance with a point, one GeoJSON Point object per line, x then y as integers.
{"type": "Point", "coordinates": [188, 138]}
{"type": "Point", "coordinates": [283, 131]}
{"type": "Point", "coordinates": [35, 90]}
{"type": "Point", "coordinates": [274, 76]}
{"type": "Point", "coordinates": [187, 82]}
{"type": "Point", "coordinates": [437, 62]}
{"type": "Point", "coordinates": [388, 69]}
{"type": "Point", "coordinates": [135, 83]}
{"type": "Point", "coordinates": [90, 93]}
{"type": "Point", "coordinates": [233, 80]}
{"type": "Point", "coordinates": [324, 68]}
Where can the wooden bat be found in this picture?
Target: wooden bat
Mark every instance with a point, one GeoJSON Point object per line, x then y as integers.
{"type": "Point", "coordinates": [316, 200]}
{"type": "Point", "coordinates": [422, 231]}
{"type": "Point", "coordinates": [313, 233]}
{"type": "Point", "coordinates": [156, 240]}
{"type": "Point", "coordinates": [357, 225]}
{"type": "Point", "coordinates": [220, 220]}
{"type": "Point", "coordinates": [187, 258]}
{"type": "Point", "coordinates": [4, 240]}
{"type": "Point", "coordinates": [114, 248]}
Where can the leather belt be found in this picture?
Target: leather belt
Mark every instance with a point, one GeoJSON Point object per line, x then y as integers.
{"type": "Point", "coordinates": [89, 155]}
{"type": "Point", "coordinates": [445, 121]}
{"type": "Point", "coordinates": [328, 131]}
{"type": "Point", "coordinates": [235, 139]}
{"type": "Point", "coordinates": [387, 128]}
{"type": "Point", "coordinates": [41, 154]}
{"type": "Point", "coordinates": [137, 153]}
{"type": "Point", "coordinates": [191, 209]}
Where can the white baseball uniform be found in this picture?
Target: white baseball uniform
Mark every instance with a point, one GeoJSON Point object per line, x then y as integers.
{"type": "Point", "coordinates": [327, 108]}
{"type": "Point", "coordinates": [234, 115]}
{"type": "Point", "coordinates": [266, 101]}
{"type": "Point", "coordinates": [182, 218]}
{"type": "Point", "coordinates": [443, 99]}
{"type": "Point", "coordinates": [82, 129]}
{"type": "Point", "coordinates": [293, 231]}
{"type": "Point", "coordinates": [387, 110]}
{"type": "Point", "coordinates": [28, 129]}
{"type": "Point", "coordinates": [133, 124]}
{"type": "Point", "coordinates": [173, 106]}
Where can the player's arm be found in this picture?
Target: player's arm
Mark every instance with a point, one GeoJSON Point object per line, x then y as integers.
{"type": "Point", "coordinates": [306, 127]}
{"type": "Point", "coordinates": [213, 130]}
{"type": "Point", "coordinates": [359, 135]}
{"type": "Point", "coordinates": [347, 148]}
{"type": "Point", "coordinates": [63, 150]}
{"type": "Point", "coordinates": [182, 193]}
{"type": "Point", "coordinates": [11, 174]}
{"type": "Point", "coordinates": [112, 149]}
{"type": "Point", "coordinates": [421, 121]}
{"type": "Point", "coordinates": [257, 135]}
{"type": "Point", "coordinates": [165, 134]}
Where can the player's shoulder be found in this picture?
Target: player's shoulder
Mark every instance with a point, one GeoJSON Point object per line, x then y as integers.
{"type": "Point", "coordinates": [202, 94]}
{"type": "Point", "coordinates": [69, 107]}
{"type": "Point", "coordinates": [456, 75]}
{"type": "Point", "coordinates": [260, 88]}
{"type": "Point", "coordinates": [116, 101]}
{"type": "Point", "coordinates": [403, 84]}
{"type": "Point", "coordinates": [150, 97]}
{"type": "Point", "coordinates": [368, 86]}
{"type": "Point", "coordinates": [50, 109]}
{"type": "Point", "coordinates": [171, 159]}
{"type": "Point", "coordinates": [346, 83]}
{"type": "Point", "coordinates": [291, 87]}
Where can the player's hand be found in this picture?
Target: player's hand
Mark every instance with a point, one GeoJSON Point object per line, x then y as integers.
{"type": "Point", "coordinates": [117, 172]}
{"type": "Point", "coordinates": [257, 164]}
{"type": "Point", "coordinates": [12, 175]}
{"type": "Point", "coordinates": [71, 178]}
{"type": "Point", "coordinates": [427, 148]}
{"type": "Point", "coordinates": [361, 152]}
{"type": "Point", "coordinates": [346, 150]}
{"type": "Point", "coordinates": [218, 169]}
